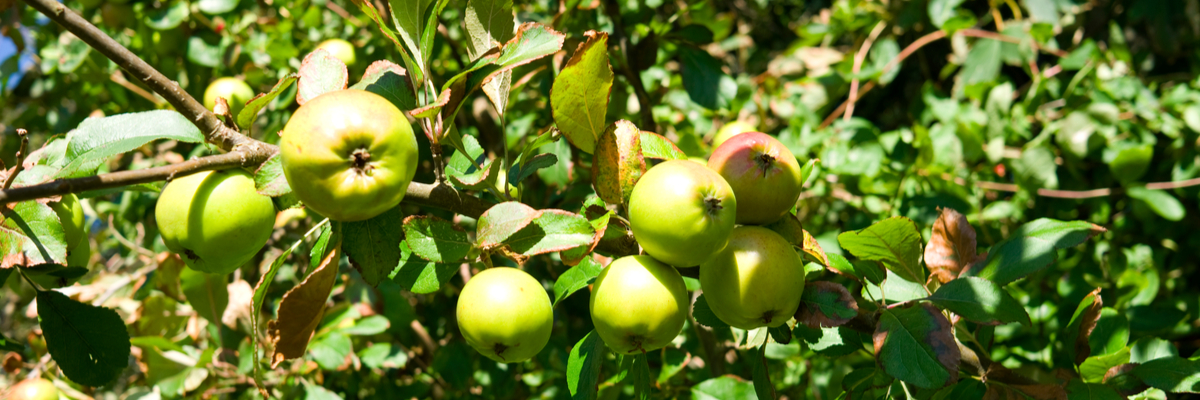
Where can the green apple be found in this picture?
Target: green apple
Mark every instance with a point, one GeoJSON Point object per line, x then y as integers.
{"type": "Point", "coordinates": [764, 174]}
{"type": "Point", "coordinates": [756, 281]}
{"type": "Point", "coordinates": [505, 314]}
{"type": "Point", "coordinates": [638, 304]}
{"type": "Point", "coordinates": [682, 212]}
{"type": "Point", "coordinates": [33, 389]}
{"type": "Point", "coordinates": [730, 130]}
{"type": "Point", "coordinates": [349, 155]}
{"type": "Point", "coordinates": [339, 49]}
{"type": "Point", "coordinates": [235, 91]}
{"type": "Point", "coordinates": [214, 219]}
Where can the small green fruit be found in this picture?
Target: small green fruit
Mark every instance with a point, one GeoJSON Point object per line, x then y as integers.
{"type": "Point", "coordinates": [505, 314]}
{"type": "Point", "coordinates": [235, 91]}
{"type": "Point", "coordinates": [340, 49]}
{"type": "Point", "coordinates": [730, 130]}
{"type": "Point", "coordinates": [756, 281]}
{"type": "Point", "coordinates": [682, 212]}
{"type": "Point", "coordinates": [215, 219]}
{"type": "Point", "coordinates": [638, 304]}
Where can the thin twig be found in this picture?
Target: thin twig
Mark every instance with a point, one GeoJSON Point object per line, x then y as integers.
{"type": "Point", "coordinates": [644, 107]}
{"type": "Point", "coordinates": [20, 158]}
{"type": "Point", "coordinates": [123, 178]}
{"type": "Point", "coordinates": [858, 60]}
{"type": "Point", "coordinates": [980, 33]}
{"type": "Point", "coordinates": [908, 51]}
{"type": "Point", "coordinates": [119, 78]}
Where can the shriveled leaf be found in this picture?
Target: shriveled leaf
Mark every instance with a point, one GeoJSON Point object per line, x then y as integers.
{"type": "Point", "coordinates": [916, 345]}
{"type": "Point", "coordinates": [501, 221]}
{"type": "Point", "coordinates": [576, 278]}
{"type": "Point", "coordinates": [418, 275]}
{"type": "Point", "coordinates": [951, 245]}
{"type": "Point", "coordinates": [30, 234]}
{"type": "Point", "coordinates": [436, 239]}
{"type": "Point", "coordinates": [389, 80]}
{"type": "Point", "coordinates": [300, 311]}
{"type": "Point", "coordinates": [895, 242]}
{"type": "Point", "coordinates": [320, 73]}
{"type": "Point", "coordinates": [583, 366]}
{"type": "Point", "coordinates": [89, 343]}
{"type": "Point", "coordinates": [618, 164]}
{"type": "Point", "coordinates": [1083, 321]}
{"type": "Point", "coordinates": [97, 139]}
{"type": "Point", "coordinates": [826, 305]}
{"type": "Point", "coordinates": [269, 179]}
{"type": "Point", "coordinates": [373, 245]}
{"type": "Point", "coordinates": [811, 249]}
{"type": "Point", "coordinates": [580, 94]}
{"type": "Point", "coordinates": [981, 301]}
{"type": "Point", "coordinates": [245, 117]}
{"type": "Point", "coordinates": [660, 148]}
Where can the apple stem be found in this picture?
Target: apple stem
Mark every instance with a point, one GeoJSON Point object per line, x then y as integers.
{"type": "Point", "coordinates": [765, 161]}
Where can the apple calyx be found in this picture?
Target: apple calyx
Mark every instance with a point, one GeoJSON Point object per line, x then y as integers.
{"type": "Point", "coordinates": [499, 348]}
{"type": "Point", "coordinates": [765, 162]}
{"type": "Point", "coordinates": [712, 205]}
{"type": "Point", "coordinates": [361, 159]}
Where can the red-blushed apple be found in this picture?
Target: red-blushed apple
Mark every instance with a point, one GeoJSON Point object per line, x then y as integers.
{"type": "Point", "coordinates": [756, 281]}
{"type": "Point", "coordinates": [764, 174]}
{"type": "Point", "coordinates": [505, 314]}
{"type": "Point", "coordinates": [681, 212]}
{"type": "Point", "coordinates": [638, 304]}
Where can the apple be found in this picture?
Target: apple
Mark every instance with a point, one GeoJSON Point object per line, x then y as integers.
{"type": "Point", "coordinates": [70, 213]}
{"type": "Point", "coordinates": [638, 304]}
{"type": "Point", "coordinates": [235, 91]}
{"type": "Point", "coordinates": [349, 155]}
{"type": "Point", "coordinates": [730, 130]}
{"type": "Point", "coordinates": [682, 212]}
{"type": "Point", "coordinates": [756, 281]}
{"type": "Point", "coordinates": [214, 219]}
{"type": "Point", "coordinates": [33, 389]}
{"type": "Point", "coordinates": [340, 49]}
{"type": "Point", "coordinates": [505, 314]}
{"type": "Point", "coordinates": [764, 174]}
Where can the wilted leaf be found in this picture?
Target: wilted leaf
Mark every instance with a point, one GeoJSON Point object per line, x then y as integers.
{"type": "Point", "coordinates": [826, 305]}
{"type": "Point", "coordinates": [320, 73]}
{"type": "Point", "coordinates": [916, 345]}
{"type": "Point", "coordinates": [301, 309]}
{"type": "Point", "coordinates": [618, 164]}
{"type": "Point", "coordinates": [435, 239]}
{"type": "Point", "coordinates": [895, 242]}
{"type": "Point", "coordinates": [813, 249]}
{"type": "Point", "coordinates": [580, 94]}
{"type": "Point", "coordinates": [951, 245]}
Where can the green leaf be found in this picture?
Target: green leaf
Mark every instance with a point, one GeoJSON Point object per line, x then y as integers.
{"type": "Point", "coordinates": [941, 11]}
{"type": "Point", "coordinates": [1032, 247]}
{"type": "Point", "coordinates": [1111, 333]}
{"type": "Point", "coordinates": [213, 7]}
{"type": "Point", "coordinates": [6, 343]}
{"type": "Point", "coordinates": [781, 334]}
{"type": "Point", "coordinates": [330, 351]}
{"type": "Point", "coordinates": [1079, 390]}
{"type": "Point", "coordinates": [583, 366]}
{"type": "Point", "coordinates": [97, 139]}
{"type": "Point", "coordinates": [420, 276]}
{"type": "Point", "coordinates": [639, 377]}
{"type": "Point", "coordinates": [580, 93]}
{"type": "Point", "coordinates": [314, 392]}
{"type": "Point", "coordinates": [31, 234]}
{"type": "Point", "coordinates": [916, 345]}
{"type": "Point", "coordinates": [829, 342]}
{"type": "Point", "coordinates": [552, 231]}
{"type": "Point", "coordinates": [407, 15]}
{"type": "Point", "coordinates": [1094, 368]}
{"type": "Point", "coordinates": [207, 293]}
{"type": "Point", "coordinates": [436, 239]}
{"type": "Point", "coordinates": [981, 301]}
{"type": "Point", "coordinates": [320, 73]}
{"type": "Point", "coordinates": [727, 387]}
{"type": "Point", "coordinates": [489, 24]}
{"type": "Point", "coordinates": [389, 80]}
{"type": "Point", "coordinates": [895, 242]}
{"type": "Point", "coordinates": [368, 326]}
{"type": "Point", "coordinates": [155, 341]}
{"type": "Point", "coordinates": [245, 117]}
{"type": "Point", "coordinates": [433, 108]}
{"type": "Point", "coordinates": [1163, 203]}
{"type": "Point", "coordinates": [501, 221]}
{"type": "Point", "coordinates": [807, 172]}
{"type": "Point", "coordinates": [89, 343]}
{"type": "Point", "coordinates": [1172, 374]}
{"type": "Point", "coordinates": [762, 377]}
{"type": "Point", "coordinates": [618, 163]}
{"type": "Point", "coordinates": [1151, 348]}
{"type": "Point", "coordinates": [383, 355]}
{"type": "Point", "coordinates": [1036, 169]}
{"type": "Point", "coordinates": [373, 245]}
{"type": "Point", "coordinates": [517, 174]}
{"type": "Point", "coordinates": [1131, 163]}
{"type": "Point", "coordinates": [658, 147]}
{"type": "Point", "coordinates": [269, 179]}
{"type": "Point", "coordinates": [860, 383]}
{"type": "Point", "coordinates": [576, 278]}
{"type": "Point", "coordinates": [705, 316]}
{"type": "Point", "coordinates": [167, 17]}
{"type": "Point", "coordinates": [705, 82]}
{"type": "Point", "coordinates": [673, 362]}
{"type": "Point", "coordinates": [862, 270]}
{"type": "Point", "coordinates": [983, 61]}
{"type": "Point", "coordinates": [826, 304]}
{"type": "Point", "coordinates": [532, 41]}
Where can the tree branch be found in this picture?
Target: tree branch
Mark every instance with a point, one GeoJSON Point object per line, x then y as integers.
{"type": "Point", "coordinates": [858, 60]}
{"type": "Point", "coordinates": [214, 131]}
{"type": "Point", "coordinates": [123, 178]}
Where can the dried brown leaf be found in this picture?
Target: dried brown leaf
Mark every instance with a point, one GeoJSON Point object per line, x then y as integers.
{"type": "Point", "coordinates": [951, 246]}
{"type": "Point", "coordinates": [241, 295]}
{"type": "Point", "coordinates": [301, 309]}
{"type": "Point", "coordinates": [619, 163]}
{"type": "Point", "coordinates": [826, 305]}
